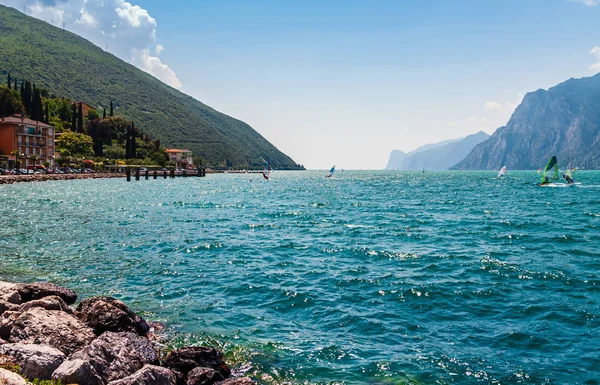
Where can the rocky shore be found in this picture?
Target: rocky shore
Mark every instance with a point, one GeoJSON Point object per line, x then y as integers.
{"type": "Point", "coordinates": [10, 179]}
{"type": "Point", "coordinates": [45, 339]}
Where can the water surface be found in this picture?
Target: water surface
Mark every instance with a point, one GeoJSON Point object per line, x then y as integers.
{"type": "Point", "coordinates": [366, 278]}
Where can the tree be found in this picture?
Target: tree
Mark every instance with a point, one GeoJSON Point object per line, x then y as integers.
{"type": "Point", "coordinates": [93, 115]}
{"type": "Point", "coordinates": [9, 81]}
{"type": "Point", "coordinates": [10, 102]}
{"type": "Point", "coordinates": [17, 156]}
{"type": "Point", "coordinates": [111, 108]}
{"type": "Point", "coordinates": [104, 113]}
{"type": "Point", "coordinates": [80, 118]}
{"type": "Point", "coordinates": [132, 141]}
{"type": "Point", "coordinates": [74, 118]}
{"type": "Point", "coordinates": [47, 115]}
{"type": "Point", "coordinates": [34, 158]}
{"type": "Point", "coordinates": [75, 143]}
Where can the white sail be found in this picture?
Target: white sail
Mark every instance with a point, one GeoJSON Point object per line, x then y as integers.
{"type": "Point", "coordinates": [502, 172]}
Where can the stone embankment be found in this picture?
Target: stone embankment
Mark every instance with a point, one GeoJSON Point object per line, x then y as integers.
{"type": "Point", "coordinates": [99, 342]}
{"type": "Point", "coordinates": [10, 179]}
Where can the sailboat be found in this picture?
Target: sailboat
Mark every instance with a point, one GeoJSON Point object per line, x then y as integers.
{"type": "Point", "coordinates": [568, 175]}
{"type": "Point", "coordinates": [331, 171]}
{"type": "Point", "coordinates": [267, 171]}
{"type": "Point", "coordinates": [502, 172]}
{"type": "Point", "coordinates": [550, 173]}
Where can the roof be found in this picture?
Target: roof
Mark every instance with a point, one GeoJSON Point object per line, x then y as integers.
{"type": "Point", "coordinates": [175, 150]}
{"type": "Point", "coordinates": [17, 119]}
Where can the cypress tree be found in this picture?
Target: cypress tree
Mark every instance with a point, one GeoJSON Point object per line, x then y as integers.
{"type": "Point", "coordinates": [104, 113]}
{"type": "Point", "coordinates": [133, 144]}
{"type": "Point", "coordinates": [74, 119]}
{"type": "Point", "coordinates": [33, 111]}
{"type": "Point", "coordinates": [111, 109]}
{"type": "Point", "coordinates": [47, 114]}
{"type": "Point", "coordinates": [15, 84]}
{"type": "Point", "coordinates": [80, 118]}
{"type": "Point", "coordinates": [128, 144]}
{"type": "Point", "coordinates": [9, 81]}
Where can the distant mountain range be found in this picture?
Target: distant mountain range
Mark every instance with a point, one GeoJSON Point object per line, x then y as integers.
{"type": "Point", "coordinates": [563, 121]}
{"type": "Point", "coordinates": [69, 66]}
{"type": "Point", "coordinates": [435, 156]}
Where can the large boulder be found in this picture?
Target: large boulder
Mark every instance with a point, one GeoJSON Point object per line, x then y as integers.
{"type": "Point", "coordinates": [203, 376]}
{"type": "Point", "coordinates": [51, 327]}
{"type": "Point", "coordinates": [110, 357]}
{"type": "Point", "coordinates": [109, 314]}
{"type": "Point", "coordinates": [237, 381]}
{"type": "Point", "coordinates": [149, 375]}
{"type": "Point", "coordinates": [185, 359]}
{"type": "Point", "coordinates": [39, 290]}
{"type": "Point", "coordinates": [9, 292]}
{"type": "Point", "coordinates": [36, 361]}
{"type": "Point", "coordinates": [52, 302]}
{"type": "Point", "coordinates": [7, 306]}
{"type": "Point", "coordinates": [10, 378]}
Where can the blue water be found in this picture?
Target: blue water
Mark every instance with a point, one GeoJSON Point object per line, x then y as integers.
{"type": "Point", "coordinates": [367, 278]}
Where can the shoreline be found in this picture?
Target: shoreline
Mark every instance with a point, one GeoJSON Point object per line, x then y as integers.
{"type": "Point", "coordinates": [47, 334]}
{"type": "Point", "coordinates": [10, 179]}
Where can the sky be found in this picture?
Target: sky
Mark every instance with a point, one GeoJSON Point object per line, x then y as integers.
{"type": "Point", "coordinates": [346, 82]}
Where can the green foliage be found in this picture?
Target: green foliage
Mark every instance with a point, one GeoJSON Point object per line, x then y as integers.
{"type": "Point", "coordinates": [75, 143]}
{"type": "Point", "coordinates": [10, 102]}
{"type": "Point", "coordinates": [9, 363]}
{"type": "Point", "coordinates": [37, 381]}
{"type": "Point", "coordinates": [71, 66]}
{"type": "Point", "coordinates": [93, 115]}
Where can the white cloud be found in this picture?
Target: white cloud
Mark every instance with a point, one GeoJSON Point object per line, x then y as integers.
{"type": "Point", "coordinates": [153, 66]}
{"type": "Point", "coordinates": [454, 124]}
{"type": "Point", "coordinates": [492, 106]}
{"type": "Point", "coordinates": [128, 30]}
{"type": "Point", "coordinates": [589, 3]}
{"type": "Point", "coordinates": [471, 120]}
{"type": "Point", "coordinates": [595, 68]}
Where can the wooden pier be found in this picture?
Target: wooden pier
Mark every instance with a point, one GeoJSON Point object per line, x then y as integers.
{"type": "Point", "coordinates": [164, 174]}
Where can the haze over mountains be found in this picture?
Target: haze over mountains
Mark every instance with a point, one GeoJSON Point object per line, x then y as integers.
{"type": "Point", "coordinates": [70, 66]}
{"type": "Point", "coordinates": [435, 156]}
{"type": "Point", "coordinates": [562, 121]}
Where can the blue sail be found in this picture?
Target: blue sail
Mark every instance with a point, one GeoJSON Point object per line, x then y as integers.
{"type": "Point", "coordinates": [331, 171]}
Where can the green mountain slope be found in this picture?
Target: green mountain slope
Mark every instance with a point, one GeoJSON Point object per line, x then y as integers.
{"type": "Point", "coordinates": [70, 66]}
{"type": "Point", "coordinates": [562, 121]}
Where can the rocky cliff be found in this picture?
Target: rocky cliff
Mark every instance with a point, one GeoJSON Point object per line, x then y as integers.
{"type": "Point", "coordinates": [562, 121]}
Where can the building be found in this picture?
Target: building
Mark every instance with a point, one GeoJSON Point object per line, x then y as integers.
{"type": "Point", "coordinates": [27, 137]}
{"type": "Point", "coordinates": [85, 108]}
{"type": "Point", "coordinates": [182, 158]}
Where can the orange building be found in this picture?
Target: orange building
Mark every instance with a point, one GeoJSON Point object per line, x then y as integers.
{"type": "Point", "coordinates": [182, 158]}
{"type": "Point", "coordinates": [85, 108]}
{"type": "Point", "coordinates": [28, 137]}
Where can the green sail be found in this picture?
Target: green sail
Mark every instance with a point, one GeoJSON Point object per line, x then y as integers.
{"type": "Point", "coordinates": [551, 171]}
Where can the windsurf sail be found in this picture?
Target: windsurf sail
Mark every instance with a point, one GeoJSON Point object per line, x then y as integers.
{"type": "Point", "coordinates": [502, 172]}
{"type": "Point", "coordinates": [550, 173]}
{"type": "Point", "coordinates": [267, 171]}
{"type": "Point", "coordinates": [331, 171]}
{"type": "Point", "coordinates": [569, 174]}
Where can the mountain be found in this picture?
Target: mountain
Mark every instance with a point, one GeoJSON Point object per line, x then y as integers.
{"type": "Point", "coordinates": [70, 66]}
{"type": "Point", "coordinates": [435, 156]}
{"type": "Point", "coordinates": [562, 121]}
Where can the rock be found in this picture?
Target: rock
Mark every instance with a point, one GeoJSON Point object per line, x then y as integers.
{"type": "Point", "coordinates": [9, 292]}
{"type": "Point", "coordinates": [185, 359]}
{"type": "Point", "coordinates": [36, 361]}
{"type": "Point", "coordinates": [10, 378]}
{"type": "Point", "coordinates": [7, 319]}
{"type": "Point", "coordinates": [148, 375]}
{"type": "Point", "coordinates": [110, 357]}
{"type": "Point", "coordinates": [49, 303]}
{"type": "Point", "coordinates": [237, 381]}
{"type": "Point", "coordinates": [109, 314]}
{"type": "Point", "coordinates": [51, 327]}
{"type": "Point", "coordinates": [77, 371]}
{"type": "Point", "coordinates": [203, 376]}
{"type": "Point", "coordinates": [7, 306]}
{"type": "Point", "coordinates": [39, 290]}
